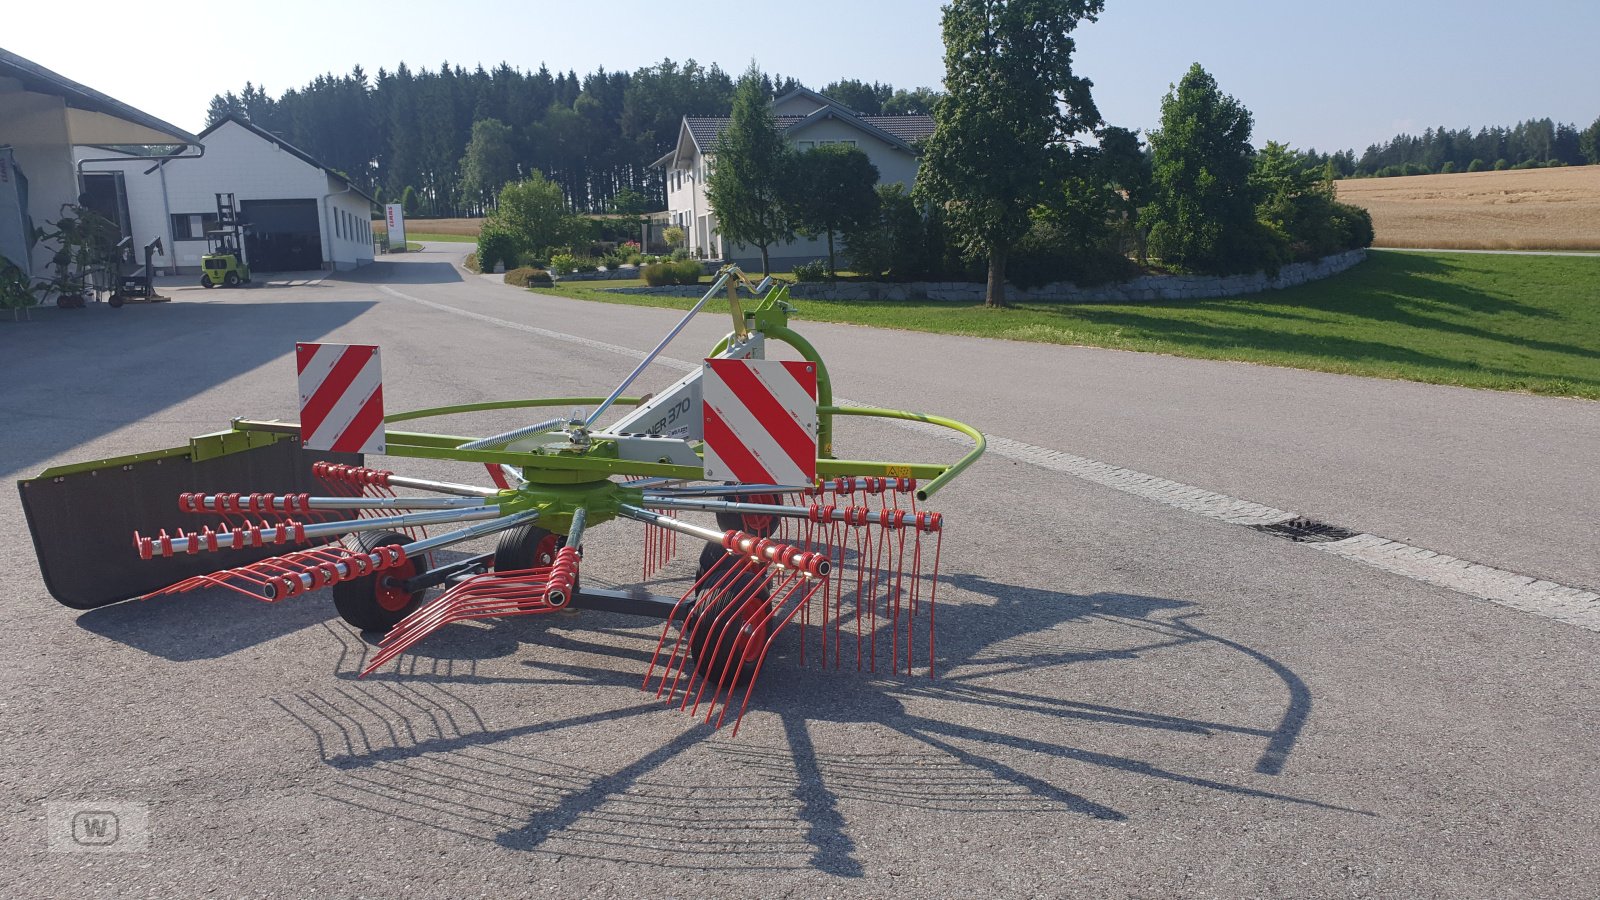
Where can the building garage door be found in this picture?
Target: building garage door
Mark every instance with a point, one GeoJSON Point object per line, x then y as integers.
{"type": "Point", "coordinates": [283, 235]}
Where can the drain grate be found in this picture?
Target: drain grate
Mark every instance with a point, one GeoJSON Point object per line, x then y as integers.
{"type": "Point", "coordinates": [1302, 530]}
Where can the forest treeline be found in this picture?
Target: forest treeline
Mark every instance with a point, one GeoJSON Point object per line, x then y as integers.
{"type": "Point", "coordinates": [1535, 143]}
{"type": "Point", "coordinates": [409, 131]}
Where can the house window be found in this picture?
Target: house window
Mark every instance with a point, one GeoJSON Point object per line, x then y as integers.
{"type": "Point", "coordinates": [192, 226]}
{"type": "Point", "coordinates": [806, 145]}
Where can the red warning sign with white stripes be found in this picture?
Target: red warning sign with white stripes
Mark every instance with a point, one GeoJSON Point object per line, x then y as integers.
{"type": "Point", "coordinates": [760, 421]}
{"type": "Point", "coordinates": [341, 397]}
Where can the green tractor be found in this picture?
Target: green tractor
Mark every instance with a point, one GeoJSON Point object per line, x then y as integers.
{"type": "Point", "coordinates": [224, 263]}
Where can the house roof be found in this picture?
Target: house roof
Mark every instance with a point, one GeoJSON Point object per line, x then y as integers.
{"type": "Point", "coordinates": [93, 118]}
{"type": "Point", "coordinates": [266, 135]}
{"type": "Point", "coordinates": [903, 131]}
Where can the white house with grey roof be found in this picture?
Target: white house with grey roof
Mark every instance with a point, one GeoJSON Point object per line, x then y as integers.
{"type": "Point", "coordinates": [299, 214]}
{"type": "Point", "coordinates": [807, 119]}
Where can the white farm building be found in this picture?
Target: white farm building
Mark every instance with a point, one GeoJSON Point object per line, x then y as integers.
{"type": "Point", "coordinates": [300, 214]}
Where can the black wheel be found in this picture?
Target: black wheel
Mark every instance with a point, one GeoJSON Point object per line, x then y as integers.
{"type": "Point", "coordinates": [728, 627]}
{"type": "Point", "coordinates": [761, 525]}
{"type": "Point", "coordinates": [377, 601]}
{"type": "Point", "coordinates": [231, 279]}
{"type": "Point", "coordinates": [205, 281]}
{"type": "Point", "coordinates": [526, 547]}
{"type": "Point", "coordinates": [116, 301]}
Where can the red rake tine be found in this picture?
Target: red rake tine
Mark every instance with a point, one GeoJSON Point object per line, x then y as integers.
{"type": "Point", "coordinates": [811, 587]}
{"type": "Point", "coordinates": [734, 659]}
{"type": "Point", "coordinates": [731, 618]}
{"type": "Point", "coordinates": [686, 635]}
{"type": "Point", "coordinates": [672, 616]}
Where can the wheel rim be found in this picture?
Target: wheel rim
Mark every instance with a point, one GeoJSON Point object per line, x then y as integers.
{"type": "Point", "coordinates": [760, 524]}
{"type": "Point", "coordinates": [545, 553]}
{"type": "Point", "coordinates": [389, 588]}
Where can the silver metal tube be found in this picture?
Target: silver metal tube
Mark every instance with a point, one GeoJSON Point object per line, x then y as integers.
{"type": "Point", "coordinates": [769, 551]}
{"type": "Point", "coordinates": [518, 434]}
{"type": "Point", "coordinates": [330, 529]}
{"type": "Point", "coordinates": [426, 544]}
{"type": "Point", "coordinates": [441, 487]}
{"type": "Point", "coordinates": [651, 356]}
{"type": "Point", "coordinates": [790, 512]}
{"type": "Point", "coordinates": [709, 535]}
{"type": "Point", "coordinates": [281, 504]}
{"type": "Point", "coordinates": [470, 532]}
{"type": "Point", "coordinates": [719, 490]}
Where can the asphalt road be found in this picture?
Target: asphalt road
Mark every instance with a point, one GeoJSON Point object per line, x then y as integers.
{"type": "Point", "coordinates": [1132, 701]}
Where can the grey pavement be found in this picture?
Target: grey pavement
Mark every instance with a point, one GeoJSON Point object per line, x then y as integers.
{"type": "Point", "coordinates": [1132, 701]}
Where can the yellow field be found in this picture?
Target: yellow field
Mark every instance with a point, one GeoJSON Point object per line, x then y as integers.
{"type": "Point", "coordinates": [1534, 209]}
{"type": "Point", "coordinates": [467, 227]}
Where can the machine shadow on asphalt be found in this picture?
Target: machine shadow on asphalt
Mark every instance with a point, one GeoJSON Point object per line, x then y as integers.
{"type": "Point", "coordinates": [386, 272]}
{"type": "Point", "coordinates": [152, 351]}
{"type": "Point", "coordinates": [412, 744]}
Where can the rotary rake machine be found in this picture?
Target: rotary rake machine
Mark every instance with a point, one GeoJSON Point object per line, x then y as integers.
{"type": "Point", "coordinates": [841, 551]}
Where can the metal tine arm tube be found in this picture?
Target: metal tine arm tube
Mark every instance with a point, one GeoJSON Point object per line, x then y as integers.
{"type": "Point", "coordinates": [850, 515]}
{"type": "Point", "coordinates": [651, 356]}
{"type": "Point", "coordinates": [737, 542]}
{"type": "Point", "coordinates": [655, 501]}
{"type": "Point", "coordinates": [361, 476]}
{"type": "Point", "coordinates": [717, 490]}
{"type": "Point", "coordinates": [514, 435]}
{"type": "Point", "coordinates": [423, 546]}
{"type": "Point", "coordinates": [239, 538]}
{"type": "Point", "coordinates": [442, 487]}
{"type": "Point", "coordinates": [290, 503]}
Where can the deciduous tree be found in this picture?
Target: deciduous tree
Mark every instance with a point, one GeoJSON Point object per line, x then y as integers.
{"type": "Point", "coordinates": [1202, 210]}
{"type": "Point", "coordinates": [750, 172]}
{"type": "Point", "coordinates": [1014, 106]}
{"type": "Point", "coordinates": [832, 192]}
{"type": "Point", "coordinates": [489, 162]}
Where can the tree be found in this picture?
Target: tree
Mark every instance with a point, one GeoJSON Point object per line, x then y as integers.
{"type": "Point", "coordinates": [535, 214]}
{"type": "Point", "coordinates": [1125, 168]}
{"type": "Point", "coordinates": [864, 98]}
{"type": "Point", "coordinates": [1202, 210]}
{"type": "Point", "coordinates": [1013, 109]}
{"type": "Point", "coordinates": [749, 176]}
{"type": "Point", "coordinates": [489, 162]}
{"type": "Point", "coordinates": [1589, 142]}
{"type": "Point", "coordinates": [918, 102]}
{"type": "Point", "coordinates": [832, 191]}
{"type": "Point", "coordinates": [891, 239]}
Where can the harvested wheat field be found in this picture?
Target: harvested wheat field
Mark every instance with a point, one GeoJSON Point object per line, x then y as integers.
{"type": "Point", "coordinates": [465, 227]}
{"type": "Point", "coordinates": [1532, 209]}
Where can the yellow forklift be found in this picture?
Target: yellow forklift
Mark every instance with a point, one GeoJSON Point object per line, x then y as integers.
{"type": "Point", "coordinates": [224, 263]}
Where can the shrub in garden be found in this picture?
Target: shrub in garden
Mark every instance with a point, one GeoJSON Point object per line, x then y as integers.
{"type": "Point", "coordinates": [563, 263]}
{"type": "Point", "coordinates": [527, 276]}
{"type": "Point", "coordinates": [816, 270]}
{"type": "Point", "coordinates": [657, 274]}
{"type": "Point", "coordinates": [686, 271]}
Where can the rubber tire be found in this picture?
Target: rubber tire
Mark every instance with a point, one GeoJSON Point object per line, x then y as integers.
{"type": "Point", "coordinates": [231, 280]}
{"type": "Point", "coordinates": [519, 548]}
{"type": "Point", "coordinates": [115, 301]}
{"type": "Point", "coordinates": [748, 523]}
{"type": "Point", "coordinates": [357, 600]}
{"type": "Point", "coordinates": [206, 282]}
{"type": "Point", "coordinates": [709, 659]}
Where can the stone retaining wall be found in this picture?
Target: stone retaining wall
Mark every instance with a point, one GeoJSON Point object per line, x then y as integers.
{"type": "Point", "coordinates": [1142, 289]}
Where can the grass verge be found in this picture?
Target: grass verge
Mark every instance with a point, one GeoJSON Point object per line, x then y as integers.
{"type": "Point", "coordinates": [1512, 323]}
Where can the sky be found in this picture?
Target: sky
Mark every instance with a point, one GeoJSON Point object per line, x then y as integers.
{"type": "Point", "coordinates": [1328, 76]}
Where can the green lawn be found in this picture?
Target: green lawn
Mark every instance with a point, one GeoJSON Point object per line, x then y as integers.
{"type": "Point", "coordinates": [1514, 323]}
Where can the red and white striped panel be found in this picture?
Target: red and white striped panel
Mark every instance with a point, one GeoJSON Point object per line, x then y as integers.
{"type": "Point", "coordinates": [760, 421]}
{"type": "Point", "coordinates": [341, 397]}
